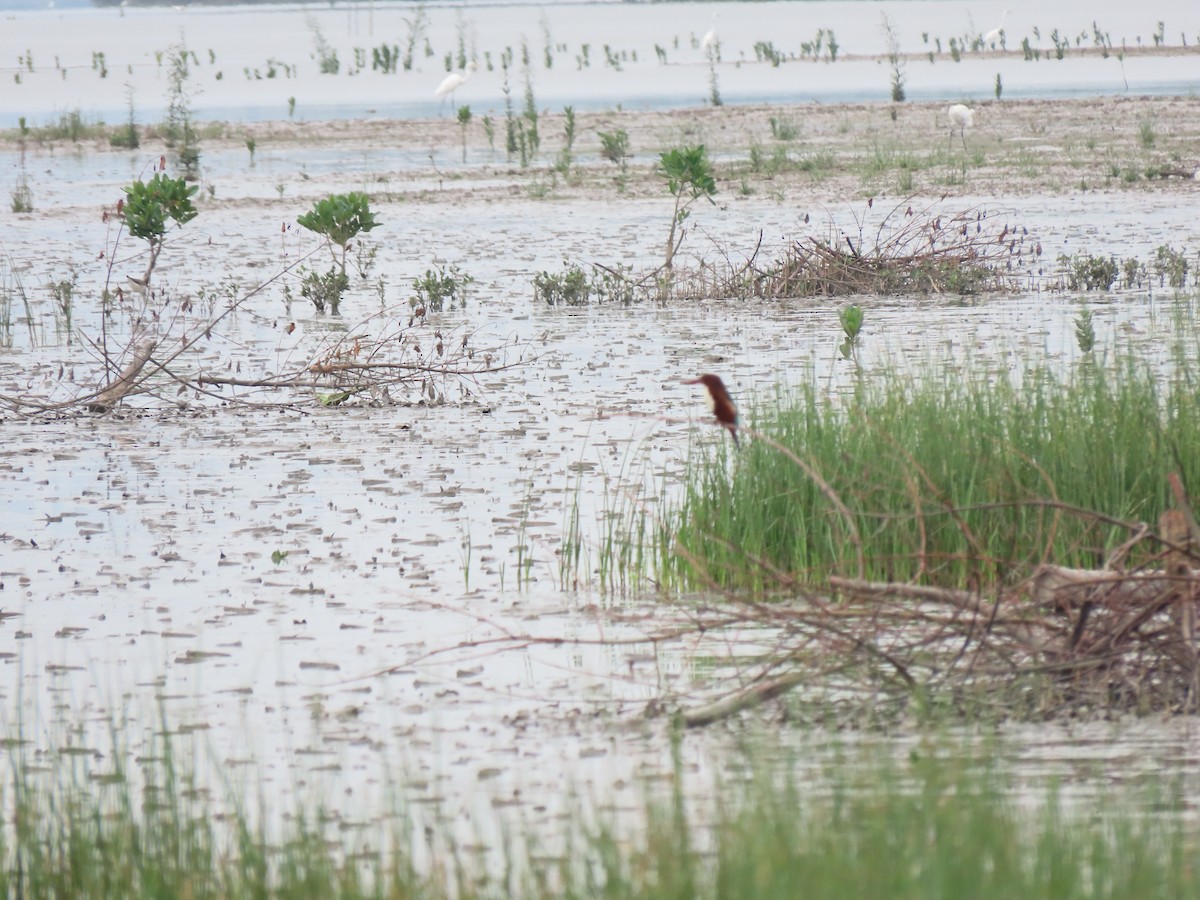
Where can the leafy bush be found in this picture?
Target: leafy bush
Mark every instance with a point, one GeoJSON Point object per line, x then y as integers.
{"type": "Point", "coordinates": [1090, 273]}
{"type": "Point", "coordinates": [568, 289]}
{"type": "Point", "coordinates": [689, 177]}
{"type": "Point", "coordinates": [339, 218]}
{"type": "Point", "coordinates": [324, 289]}
{"type": "Point", "coordinates": [435, 288]}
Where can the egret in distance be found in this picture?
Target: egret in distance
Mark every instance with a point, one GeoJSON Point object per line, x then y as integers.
{"type": "Point", "coordinates": [993, 37]}
{"type": "Point", "coordinates": [453, 82]}
{"type": "Point", "coordinates": [961, 118]}
{"type": "Point", "coordinates": [708, 43]}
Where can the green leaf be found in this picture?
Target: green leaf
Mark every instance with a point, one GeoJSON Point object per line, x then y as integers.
{"type": "Point", "coordinates": [337, 398]}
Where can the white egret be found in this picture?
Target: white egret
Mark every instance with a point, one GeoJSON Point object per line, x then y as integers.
{"type": "Point", "coordinates": [961, 117]}
{"type": "Point", "coordinates": [709, 41]}
{"type": "Point", "coordinates": [454, 81]}
{"type": "Point", "coordinates": [993, 37]}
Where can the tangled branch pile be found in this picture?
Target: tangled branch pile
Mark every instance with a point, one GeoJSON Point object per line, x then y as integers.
{"type": "Point", "coordinates": [1062, 640]}
{"type": "Point", "coordinates": [908, 251]}
{"type": "Point", "coordinates": [911, 251]}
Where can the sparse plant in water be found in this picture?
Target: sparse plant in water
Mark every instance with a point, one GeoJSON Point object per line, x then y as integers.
{"type": "Point", "coordinates": [1146, 133]}
{"type": "Point", "coordinates": [178, 129]}
{"type": "Point", "coordinates": [441, 288]}
{"type": "Point", "coordinates": [784, 129]}
{"type": "Point", "coordinates": [1132, 272]}
{"type": "Point", "coordinates": [339, 218]}
{"type": "Point", "coordinates": [416, 27]}
{"type": "Point", "coordinates": [614, 146]}
{"type": "Point", "coordinates": [714, 87]}
{"type": "Point", "coordinates": [565, 155]}
{"type": "Point", "coordinates": [327, 57]}
{"type": "Point", "coordinates": [1087, 272]}
{"type": "Point", "coordinates": [689, 176]}
{"type": "Point", "coordinates": [1171, 267]}
{"type": "Point", "coordinates": [489, 129]}
{"type": "Point", "coordinates": [1085, 330]}
{"type": "Point", "coordinates": [998, 88]}
{"type": "Point", "coordinates": [892, 43]}
{"type": "Point", "coordinates": [324, 289]}
{"type": "Point", "coordinates": [62, 292]}
{"type": "Point", "coordinates": [21, 197]}
{"type": "Point", "coordinates": [851, 320]}
{"type": "Point", "coordinates": [1061, 44]}
{"type": "Point", "coordinates": [464, 120]}
{"type": "Point", "coordinates": [291, 101]}
{"type": "Point", "coordinates": [126, 137]}
{"type": "Point", "coordinates": [251, 146]}
{"type": "Point", "coordinates": [150, 205]}
{"type": "Point", "coordinates": [570, 288]}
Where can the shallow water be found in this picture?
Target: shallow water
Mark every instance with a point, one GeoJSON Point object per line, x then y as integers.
{"type": "Point", "coordinates": [421, 620]}
{"type": "Point", "coordinates": [234, 47]}
{"type": "Point", "coordinates": [418, 618]}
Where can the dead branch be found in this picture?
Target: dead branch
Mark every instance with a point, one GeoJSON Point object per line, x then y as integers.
{"type": "Point", "coordinates": [742, 700]}
{"type": "Point", "coordinates": [107, 399]}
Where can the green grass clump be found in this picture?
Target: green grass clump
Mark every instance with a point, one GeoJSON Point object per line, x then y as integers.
{"type": "Point", "coordinates": [947, 821]}
{"type": "Point", "coordinates": [951, 480]}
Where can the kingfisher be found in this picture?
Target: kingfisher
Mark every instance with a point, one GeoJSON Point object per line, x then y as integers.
{"type": "Point", "coordinates": [721, 402]}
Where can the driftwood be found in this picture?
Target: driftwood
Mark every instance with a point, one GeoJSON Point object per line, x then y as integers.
{"type": "Point", "coordinates": [107, 399]}
{"type": "Point", "coordinates": [747, 698]}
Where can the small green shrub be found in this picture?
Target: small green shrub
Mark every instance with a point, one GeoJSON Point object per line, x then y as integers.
{"type": "Point", "coordinates": [339, 218]}
{"type": "Point", "coordinates": [1085, 331]}
{"type": "Point", "coordinates": [21, 198]}
{"type": "Point", "coordinates": [784, 129]}
{"type": "Point", "coordinates": [1090, 273]}
{"type": "Point", "coordinates": [435, 289]}
{"type": "Point", "coordinates": [571, 288]}
{"type": "Point", "coordinates": [324, 289]}
{"type": "Point", "coordinates": [689, 176]}
{"type": "Point", "coordinates": [1171, 267]}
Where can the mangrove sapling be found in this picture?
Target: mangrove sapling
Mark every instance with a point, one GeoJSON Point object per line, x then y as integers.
{"type": "Point", "coordinates": [416, 27]}
{"type": "Point", "coordinates": [126, 136]}
{"type": "Point", "coordinates": [433, 290]}
{"type": "Point", "coordinates": [489, 130]}
{"type": "Point", "coordinates": [339, 218]}
{"type": "Point", "coordinates": [147, 208]}
{"type": "Point", "coordinates": [564, 156]}
{"type": "Point", "coordinates": [1085, 330]}
{"type": "Point", "coordinates": [892, 42]}
{"type": "Point", "coordinates": [21, 197]}
{"type": "Point", "coordinates": [614, 146]}
{"type": "Point", "coordinates": [464, 119]}
{"type": "Point", "coordinates": [178, 129]}
{"type": "Point", "coordinates": [851, 320]}
{"type": "Point", "coordinates": [689, 177]}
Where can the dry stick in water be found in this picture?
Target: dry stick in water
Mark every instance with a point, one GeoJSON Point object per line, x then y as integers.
{"type": "Point", "coordinates": [126, 381]}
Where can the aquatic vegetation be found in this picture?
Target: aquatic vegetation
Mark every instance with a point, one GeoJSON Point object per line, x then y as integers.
{"type": "Point", "coordinates": [150, 204]}
{"type": "Point", "coordinates": [340, 218]}
{"type": "Point", "coordinates": [442, 288]}
{"type": "Point", "coordinates": [689, 176]}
